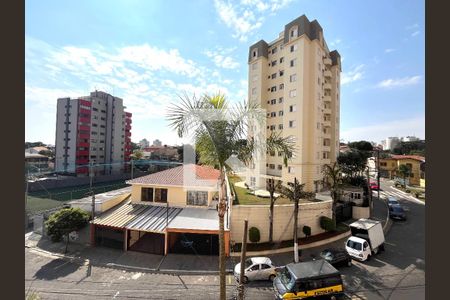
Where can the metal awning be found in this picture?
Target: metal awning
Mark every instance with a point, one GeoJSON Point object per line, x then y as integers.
{"type": "Point", "coordinates": [141, 217]}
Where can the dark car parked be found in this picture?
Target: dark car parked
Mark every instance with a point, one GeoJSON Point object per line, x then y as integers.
{"type": "Point", "coordinates": [392, 201]}
{"type": "Point", "coordinates": [336, 257]}
{"type": "Point", "coordinates": [397, 212]}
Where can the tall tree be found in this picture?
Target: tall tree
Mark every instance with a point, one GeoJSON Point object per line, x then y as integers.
{"type": "Point", "coordinates": [333, 178]}
{"type": "Point", "coordinates": [294, 192]}
{"type": "Point", "coordinates": [404, 171]}
{"type": "Point", "coordinates": [272, 186]}
{"type": "Point", "coordinates": [219, 130]}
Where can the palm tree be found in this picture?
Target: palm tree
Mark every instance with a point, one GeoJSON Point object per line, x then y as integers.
{"type": "Point", "coordinates": [405, 171]}
{"type": "Point", "coordinates": [219, 131]}
{"type": "Point", "coordinates": [333, 178]}
{"type": "Point", "coordinates": [272, 186]}
{"type": "Point", "coordinates": [294, 192]}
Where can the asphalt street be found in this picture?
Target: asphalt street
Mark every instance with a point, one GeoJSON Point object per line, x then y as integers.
{"type": "Point", "coordinates": [396, 273]}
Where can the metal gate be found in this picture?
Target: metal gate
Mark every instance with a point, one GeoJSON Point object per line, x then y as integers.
{"type": "Point", "coordinates": [343, 211]}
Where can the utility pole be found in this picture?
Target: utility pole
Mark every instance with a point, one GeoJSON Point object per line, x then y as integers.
{"type": "Point", "coordinates": [92, 191]}
{"type": "Point", "coordinates": [378, 173]}
{"type": "Point", "coordinates": [242, 271]}
{"type": "Point", "coordinates": [132, 168]}
{"type": "Point", "coordinates": [369, 191]}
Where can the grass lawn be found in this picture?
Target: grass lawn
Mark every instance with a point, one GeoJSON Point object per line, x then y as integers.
{"type": "Point", "coordinates": [244, 198]}
{"type": "Point", "coordinates": [35, 204]}
{"type": "Point", "coordinates": [77, 192]}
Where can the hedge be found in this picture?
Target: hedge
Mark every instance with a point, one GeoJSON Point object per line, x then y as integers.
{"type": "Point", "coordinates": [254, 235]}
{"type": "Point", "coordinates": [327, 224]}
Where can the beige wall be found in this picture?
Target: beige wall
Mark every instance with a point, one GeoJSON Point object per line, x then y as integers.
{"type": "Point", "coordinates": [176, 196]}
{"type": "Point", "coordinates": [360, 212]}
{"type": "Point", "coordinates": [258, 216]}
{"type": "Point", "coordinates": [113, 202]}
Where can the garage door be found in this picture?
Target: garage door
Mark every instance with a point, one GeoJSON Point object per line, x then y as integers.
{"type": "Point", "coordinates": [109, 237]}
{"type": "Point", "coordinates": [146, 242]}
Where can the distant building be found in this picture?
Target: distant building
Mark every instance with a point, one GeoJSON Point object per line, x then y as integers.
{"type": "Point", "coordinates": [144, 143]}
{"type": "Point", "coordinates": [36, 162]}
{"type": "Point", "coordinates": [157, 143]}
{"type": "Point", "coordinates": [93, 129]}
{"type": "Point", "coordinates": [36, 150]}
{"type": "Point", "coordinates": [391, 143]}
{"type": "Point", "coordinates": [410, 139]}
{"type": "Point", "coordinates": [389, 168]}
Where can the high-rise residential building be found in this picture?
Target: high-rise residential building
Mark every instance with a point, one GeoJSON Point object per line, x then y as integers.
{"type": "Point", "coordinates": [157, 143]}
{"type": "Point", "coordinates": [93, 129]}
{"type": "Point", "coordinates": [144, 143]}
{"type": "Point", "coordinates": [296, 78]}
{"type": "Point", "coordinates": [391, 143]}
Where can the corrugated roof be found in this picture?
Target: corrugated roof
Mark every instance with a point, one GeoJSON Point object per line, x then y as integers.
{"type": "Point", "coordinates": [198, 176]}
{"type": "Point", "coordinates": [140, 217]}
{"type": "Point", "coordinates": [197, 219]}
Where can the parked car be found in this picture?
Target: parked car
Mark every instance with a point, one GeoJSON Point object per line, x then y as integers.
{"type": "Point", "coordinates": [308, 280]}
{"type": "Point", "coordinates": [256, 268]}
{"type": "Point", "coordinates": [374, 186]}
{"type": "Point", "coordinates": [397, 212]}
{"type": "Point", "coordinates": [336, 257]}
{"type": "Point", "coordinates": [392, 201]}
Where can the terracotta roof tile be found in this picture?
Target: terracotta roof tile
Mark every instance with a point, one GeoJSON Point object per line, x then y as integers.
{"type": "Point", "coordinates": [204, 175]}
{"type": "Point", "coordinates": [415, 157]}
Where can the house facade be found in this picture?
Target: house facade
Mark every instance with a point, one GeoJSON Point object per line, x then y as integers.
{"type": "Point", "coordinates": [389, 168]}
{"type": "Point", "coordinates": [172, 211]}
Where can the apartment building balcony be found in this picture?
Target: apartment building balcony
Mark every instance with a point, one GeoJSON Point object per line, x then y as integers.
{"type": "Point", "coordinates": [327, 98]}
{"type": "Point", "coordinates": [327, 73]}
{"type": "Point", "coordinates": [327, 61]}
{"type": "Point", "coordinates": [327, 110]}
{"type": "Point", "coordinates": [85, 111]}
{"type": "Point", "coordinates": [84, 127]}
{"type": "Point", "coordinates": [326, 148]}
{"type": "Point", "coordinates": [83, 136]}
{"type": "Point", "coordinates": [82, 161]}
{"type": "Point", "coordinates": [127, 133]}
{"type": "Point", "coordinates": [327, 86]}
{"type": "Point", "coordinates": [127, 127]}
{"type": "Point", "coordinates": [82, 152]}
{"type": "Point", "coordinates": [273, 172]}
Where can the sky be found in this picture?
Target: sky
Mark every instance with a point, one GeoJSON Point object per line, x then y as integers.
{"type": "Point", "coordinates": [150, 52]}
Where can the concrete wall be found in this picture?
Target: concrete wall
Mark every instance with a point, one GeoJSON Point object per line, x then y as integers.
{"type": "Point", "coordinates": [360, 212]}
{"type": "Point", "coordinates": [283, 225]}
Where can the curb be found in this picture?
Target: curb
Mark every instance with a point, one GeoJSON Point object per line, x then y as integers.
{"type": "Point", "coordinates": [388, 223]}
{"type": "Point", "coordinates": [290, 249]}
{"type": "Point", "coordinates": [409, 195]}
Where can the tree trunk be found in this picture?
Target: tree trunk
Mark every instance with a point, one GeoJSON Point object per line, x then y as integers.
{"type": "Point", "coordinates": [67, 243]}
{"type": "Point", "coordinates": [271, 220]}
{"type": "Point", "coordinates": [295, 231]}
{"type": "Point", "coordinates": [333, 207]}
{"type": "Point", "coordinates": [222, 210]}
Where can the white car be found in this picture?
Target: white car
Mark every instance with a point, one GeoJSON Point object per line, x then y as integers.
{"type": "Point", "coordinates": [256, 268]}
{"type": "Point", "coordinates": [358, 248]}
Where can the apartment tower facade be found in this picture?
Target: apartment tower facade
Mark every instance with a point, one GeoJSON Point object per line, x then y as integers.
{"type": "Point", "coordinates": [296, 79]}
{"type": "Point", "coordinates": [92, 130]}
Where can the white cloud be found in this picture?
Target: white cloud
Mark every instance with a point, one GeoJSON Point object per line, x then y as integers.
{"type": "Point", "coordinates": [335, 42]}
{"type": "Point", "coordinates": [413, 26]}
{"type": "Point", "coordinates": [221, 59]}
{"type": "Point", "coordinates": [415, 33]}
{"type": "Point", "coordinates": [399, 82]}
{"type": "Point", "coordinates": [353, 75]}
{"type": "Point", "coordinates": [241, 18]}
{"type": "Point", "coordinates": [389, 50]}
{"type": "Point", "coordinates": [381, 130]}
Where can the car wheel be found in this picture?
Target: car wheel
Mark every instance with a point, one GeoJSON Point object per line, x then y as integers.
{"type": "Point", "coordinates": [271, 277]}
{"type": "Point", "coordinates": [349, 263]}
{"type": "Point", "coordinates": [368, 257]}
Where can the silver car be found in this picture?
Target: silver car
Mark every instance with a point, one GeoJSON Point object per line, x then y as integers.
{"type": "Point", "coordinates": [256, 268]}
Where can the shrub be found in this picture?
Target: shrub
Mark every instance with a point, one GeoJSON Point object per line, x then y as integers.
{"type": "Point", "coordinates": [64, 221]}
{"type": "Point", "coordinates": [307, 230]}
{"type": "Point", "coordinates": [254, 235]}
{"type": "Point", "coordinates": [327, 224]}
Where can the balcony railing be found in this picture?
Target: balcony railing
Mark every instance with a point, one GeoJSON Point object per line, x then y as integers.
{"type": "Point", "coordinates": [327, 61]}
{"type": "Point", "coordinates": [327, 73]}
{"type": "Point", "coordinates": [327, 86]}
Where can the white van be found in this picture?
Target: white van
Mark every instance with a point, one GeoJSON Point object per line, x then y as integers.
{"type": "Point", "coordinates": [367, 239]}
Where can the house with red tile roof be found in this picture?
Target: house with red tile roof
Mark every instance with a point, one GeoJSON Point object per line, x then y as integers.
{"type": "Point", "coordinates": [389, 168]}
{"type": "Point", "coordinates": [172, 211]}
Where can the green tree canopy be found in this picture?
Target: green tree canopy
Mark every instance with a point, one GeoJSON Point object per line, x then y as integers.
{"type": "Point", "coordinates": [64, 221]}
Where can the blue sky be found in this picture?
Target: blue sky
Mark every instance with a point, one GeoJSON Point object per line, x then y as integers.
{"type": "Point", "coordinates": [148, 52]}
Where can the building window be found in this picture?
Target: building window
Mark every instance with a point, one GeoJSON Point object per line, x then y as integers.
{"type": "Point", "coordinates": [291, 170]}
{"type": "Point", "coordinates": [280, 167]}
{"type": "Point", "coordinates": [93, 132]}
{"type": "Point", "coordinates": [293, 47]}
{"type": "Point", "coordinates": [293, 62]}
{"type": "Point", "coordinates": [272, 128]}
{"type": "Point", "coordinates": [280, 100]}
{"type": "Point", "coordinates": [274, 75]}
{"type": "Point", "coordinates": [161, 195]}
{"type": "Point", "coordinates": [274, 50]}
{"type": "Point", "coordinates": [103, 111]}
{"type": "Point", "coordinates": [292, 93]}
{"type": "Point", "coordinates": [293, 78]}
{"type": "Point", "coordinates": [280, 127]}
{"type": "Point", "coordinates": [281, 86]}
{"type": "Point", "coordinates": [281, 73]}
{"type": "Point", "coordinates": [102, 118]}
{"type": "Point", "coordinates": [272, 166]}
{"type": "Point", "coordinates": [274, 63]}
{"type": "Point", "coordinates": [293, 32]}
{"type": "Point", "coordinates": [197, 198]}
{"type": "Point", "coordinates": [94, 125]}
{"type": "Point", "coordinates": [273, 89]}
{"type": "Point", "coordinates": [273, 114]}
{"type": "Point", "coordinates": [255, 53]}
{"type": "Point", "coordinates": [273, 101]}
{"type": "Point", "coordinates": [147, 194]}
{"type": "Point", "coordinates": [292, 124]}
{"type": "Point", "coordinates": [280, 113]}
{"type": "Point", "coordinates": [281, 60]}
{"type": "Point", "coordinates": [293, 108]}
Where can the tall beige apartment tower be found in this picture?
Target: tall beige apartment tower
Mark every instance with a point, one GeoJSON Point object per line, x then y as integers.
{"type": "Point", "coordinates": [296, 79]}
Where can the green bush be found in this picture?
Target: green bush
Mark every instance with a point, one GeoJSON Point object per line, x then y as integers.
{"type": "Point", "coordinates": [254, 235]}
{"type": "Point", "coordinates": [307, 230]}
{"type": "Point", "coordinates": [64, 221]}
{"type": "Point", "coordinates": [327, 224]}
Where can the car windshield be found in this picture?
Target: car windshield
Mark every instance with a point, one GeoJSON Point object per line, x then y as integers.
{"type": "Point", "coordinates": [397, 209]}
{"type": "Point", "coordinates": [354, 245]}
{"type": "Point", "coordinates": [326, 254]}
{"type": "Point", "coordinates": [287, 279]}
{"type": "Point", "coordinates": [248, 263]}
